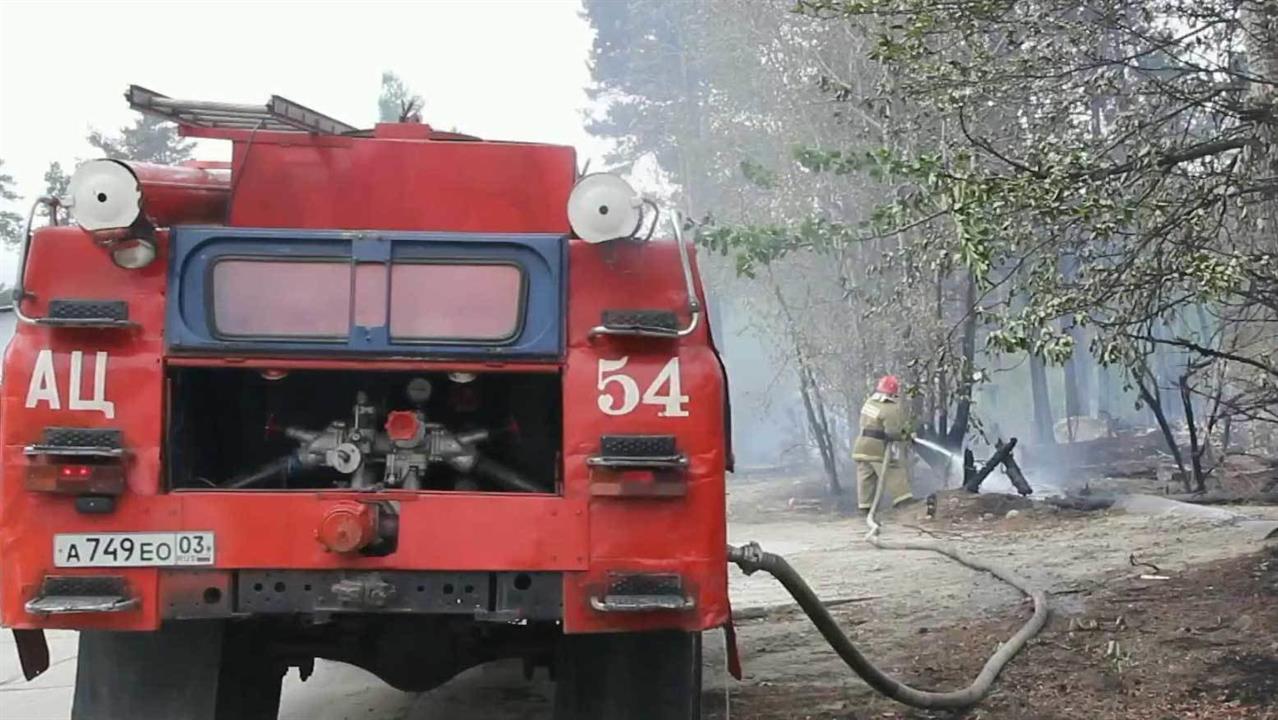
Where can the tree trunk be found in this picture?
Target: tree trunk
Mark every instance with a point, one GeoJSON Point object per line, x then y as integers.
{"type": "Point", "coordinates": [942, 416]}
{"type": "Point", "coordinates": [1042, 402]}
{"type": "Point", "coordinates": [963, 408]}
{"type": "Point", "coordinates": [1104, 403]}
{"type": "Point", "coordinates": [1154, 403]}
{"type": "Point", "coordinates": [818, 426]}
{"type": "Point", "coordinates": [1195, 455]}
{"type": "Point", "coordinates": [1260, 20]}
{"type": "Point", "coordinates": [1072, 410]}
{"type": "Point", "coordinates": [1164, 373]}
{"type": "Point", "coordinates": [942, 404]}
{"type": "Point", "coordinates": [810, 391]}
{"type": "Point", "coordinates": [1085, 378]}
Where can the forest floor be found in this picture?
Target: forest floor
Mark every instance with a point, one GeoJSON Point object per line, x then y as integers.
{"type": "Point", "coordinates": [1202, 643]}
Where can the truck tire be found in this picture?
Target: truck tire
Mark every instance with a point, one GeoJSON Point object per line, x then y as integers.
{"type": "Point", "coordinates": [629, 676]}
{"type": "Point", "coordinates": [192, 670]}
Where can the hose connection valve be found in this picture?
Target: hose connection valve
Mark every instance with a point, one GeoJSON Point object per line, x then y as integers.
{"type": "Point", "coordinates": [748, 557]}
{"type": "Point", "coordinates": [348, 527]}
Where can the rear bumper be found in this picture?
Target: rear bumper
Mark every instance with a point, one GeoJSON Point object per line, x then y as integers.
{"type": "Point", "coordinates": [257, 533]}
{"type": "Point", "coordinates": [488, 596]}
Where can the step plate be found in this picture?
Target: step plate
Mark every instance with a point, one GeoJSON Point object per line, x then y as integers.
{"type": "Point", "coordinates": [638, 323]}
{"type": "Point", "coordinates": [77, 441]}
{"type": "Point", "coordinates": [64, 312]}
{"type": "Point", "coordinates": [643, 592]}
{"type": "Point", "coordinates": [81, 594]}
{"type": "Point", "coordinates": [638, 452]}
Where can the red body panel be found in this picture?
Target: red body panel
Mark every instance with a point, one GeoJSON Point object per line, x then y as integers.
{"type": "Point", "coordinates": [683, 534]}
{"type": "Point", "coordinates": [344, 183]}
{"type": "Point", "coordinates": [182, 193]}
{"type": "Point", "coordinates": [385, 184]}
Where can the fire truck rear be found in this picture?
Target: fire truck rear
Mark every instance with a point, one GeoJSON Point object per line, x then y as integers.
{"type": "Point", "coordinates": [398, 398]}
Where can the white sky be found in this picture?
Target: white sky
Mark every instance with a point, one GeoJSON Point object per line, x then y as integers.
{"type": "Point", "coordinates": [500, 69]}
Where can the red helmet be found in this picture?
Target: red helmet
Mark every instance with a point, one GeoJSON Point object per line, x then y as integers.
{"type": "Point", "coordinates": [888, 385]}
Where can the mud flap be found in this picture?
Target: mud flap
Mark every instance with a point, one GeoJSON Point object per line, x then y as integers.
{"type": "Point", "coordinates": [170, 674]}
{"type": "Point", "coordinates": [33, 652]}
{"type": "Point", "coordinates": [733, 652]}
{"type": "Point", "coordinates": [629, 676]}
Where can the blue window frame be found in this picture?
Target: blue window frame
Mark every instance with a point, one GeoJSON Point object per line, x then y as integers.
{"type": "Point", "coordinates": [316, 292]}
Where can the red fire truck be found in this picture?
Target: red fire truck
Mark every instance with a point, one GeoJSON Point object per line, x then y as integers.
{"type": "Point", "coordinates": [400, 398]}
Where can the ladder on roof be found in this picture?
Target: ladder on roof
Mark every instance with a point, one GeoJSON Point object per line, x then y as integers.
{"type": "Point", "coordinates": [278, 114]}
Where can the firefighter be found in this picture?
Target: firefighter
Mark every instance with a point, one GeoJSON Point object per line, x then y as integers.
{"type": "Point", "coordinates": [883, 434]}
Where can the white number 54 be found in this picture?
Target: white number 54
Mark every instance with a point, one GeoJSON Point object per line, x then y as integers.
{"type": "Point", "coordinates": [664, 392]}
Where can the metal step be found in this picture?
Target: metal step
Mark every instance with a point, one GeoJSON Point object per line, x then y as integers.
{"type": "Point", "coordinates": [643, 592]}
{"type": "Point", "coordinates": [641, 603]}
{"type": "Point", "coordinates": [638, 452]}
{"type": "Point", "coordinates": [68, 312]}
{"type": "Point", "coordinates": [77, 441]}
{"type": "Point", "coordinates": [81, 594]}
{"type": "Point", "coordinates": [662, 324]}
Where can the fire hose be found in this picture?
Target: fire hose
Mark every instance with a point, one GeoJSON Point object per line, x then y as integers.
{"type": "Point", "coordinates": [751, 558]}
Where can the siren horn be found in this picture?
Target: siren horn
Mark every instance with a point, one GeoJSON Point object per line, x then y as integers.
{"type": "Point", "coordinates": [604, 207]}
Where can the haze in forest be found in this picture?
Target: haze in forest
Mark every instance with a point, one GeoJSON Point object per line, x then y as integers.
{"type": "Point", "coordinates": [1053, 221]}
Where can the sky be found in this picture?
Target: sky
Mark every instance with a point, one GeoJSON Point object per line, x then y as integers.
{"type": "Point", "coordinates": [499, 69]}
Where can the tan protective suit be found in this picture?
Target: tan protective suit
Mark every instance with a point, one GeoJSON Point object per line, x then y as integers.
{"type": "Point", "coordinates": [882, 420]}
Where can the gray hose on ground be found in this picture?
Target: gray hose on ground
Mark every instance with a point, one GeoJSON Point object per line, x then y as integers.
{"type": "Point", "coordinates": [751, 558]}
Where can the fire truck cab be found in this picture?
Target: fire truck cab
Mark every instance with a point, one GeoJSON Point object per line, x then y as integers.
{"type": "Point", "coordinates": [399, 398]}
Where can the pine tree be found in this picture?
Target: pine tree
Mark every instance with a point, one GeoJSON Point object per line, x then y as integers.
{"type": "Point", "coordinates": [56, 183]}
{"type": "Point", "coordinates": [56, 180]}
{"type": "Point", "coordinates": [649, 64]}
{"type": "Point", "coordinates": [10, 222]}
{"type": "Point", "coordinates": [149, 139]}
{"type": "Point", "coordinates": [397, 102]}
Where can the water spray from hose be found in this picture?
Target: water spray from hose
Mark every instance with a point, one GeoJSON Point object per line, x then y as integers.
{"type": "Point", "coordinates": [934, 446]}
{"type": "Point", "coordinates": [954, 463]}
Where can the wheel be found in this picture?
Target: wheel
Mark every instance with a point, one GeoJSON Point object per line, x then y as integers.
{"type": "Point", "coordinates": [629, 676]}
{"type": "Point", "coordinates": [194, 670]}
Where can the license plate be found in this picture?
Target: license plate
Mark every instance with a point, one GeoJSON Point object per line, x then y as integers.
{"type": "Point", "coordinates": [147, 549]}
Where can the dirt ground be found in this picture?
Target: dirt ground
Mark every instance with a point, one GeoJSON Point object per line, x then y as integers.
{"type": "Point", "coordinates": [1202, 643]}
{"type": "Point", "coordinates": [1139, 650]}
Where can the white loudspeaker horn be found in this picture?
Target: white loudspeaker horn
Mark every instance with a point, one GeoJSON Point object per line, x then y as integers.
{"type": "Point", "coordinates": [105, 195]}
{"type": "Point", "coordinates": [604, 207]}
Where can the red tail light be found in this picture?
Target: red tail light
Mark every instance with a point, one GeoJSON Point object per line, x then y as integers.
{"type": "Point", "coordinates": [76, 478]}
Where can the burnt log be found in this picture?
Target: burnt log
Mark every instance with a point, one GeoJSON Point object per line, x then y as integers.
{"type": "Point", "coordinates": [1263, 498]}
{"type": "Point", "coordinates": [972, 480]}
{"type": "Point", "coordinates": [1014, 473]}
{"type": "Point", "coordinates": [1081, 502]}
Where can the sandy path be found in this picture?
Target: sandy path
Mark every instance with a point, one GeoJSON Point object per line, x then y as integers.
{"type": "Point", "coordinates": [910, 591]}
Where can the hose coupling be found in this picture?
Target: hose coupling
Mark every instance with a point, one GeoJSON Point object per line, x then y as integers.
{"type": "Point", "coordinates": [748, 557]}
